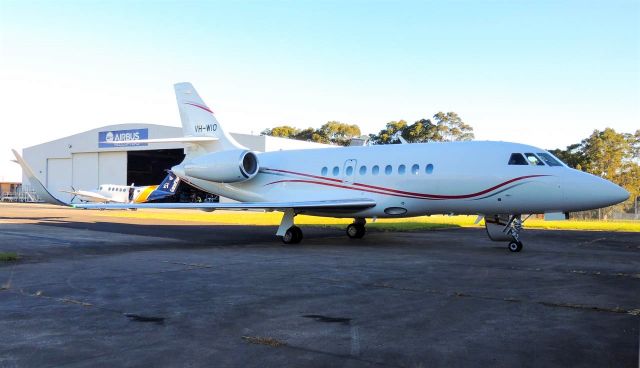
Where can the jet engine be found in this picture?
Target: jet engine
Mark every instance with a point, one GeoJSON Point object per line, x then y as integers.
{"type": "Point", "coordinates": [224, 167]}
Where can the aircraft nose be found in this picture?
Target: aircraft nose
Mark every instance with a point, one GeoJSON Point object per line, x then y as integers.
{"type": "Point", "coordinates": [606, 193]}
{"type": "Point", "coordinates": [586, 192]}
{"type": "Point", "coordinates": [615, 193]}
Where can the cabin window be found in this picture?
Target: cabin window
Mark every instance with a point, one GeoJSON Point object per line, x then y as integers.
{"type": "Point", "coordinates": [548, 159]}
{"type": "Point", "coordinates": [100, 188]}
{"type": "Point", "coordinates": [336, 171]}
{"type": "Point", "coordinates": [402, 169]}
{"type": "Point", "coordinates": [363, 170]}
{"type": "Point", "coordinates": [415, 169]}
{"type": "Point", "coordinates": [517, 159]}
{"type": "Point", "coordinates": [388, 170]}
{"type": "Point", "coordinates": [349, 170]}
{"type": "Point", "coordinates": [375, 170]}
{"type": "Point", "coordinates": [533, 159]}
{"type": "Point", "coordinates": [324, 171]}
{"type": "Point", "coordinates": [428, 169]}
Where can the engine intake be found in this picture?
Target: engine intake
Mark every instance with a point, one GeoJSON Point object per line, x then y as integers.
{"type": "Point", "coordinates": [224, 167]}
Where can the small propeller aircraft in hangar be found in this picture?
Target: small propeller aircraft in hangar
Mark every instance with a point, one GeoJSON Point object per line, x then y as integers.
{"type": "Point", "coordinates": [499, 181]}
{"type": "Point", "coordinates": [112, 193]}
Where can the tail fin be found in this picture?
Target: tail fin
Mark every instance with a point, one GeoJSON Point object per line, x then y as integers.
{"type": "Point", "coordinates": [167, 188]}
{"type": "Point", "coordinates": [198, 120]}
{"type": "Point", "coordinates": [40, 189]}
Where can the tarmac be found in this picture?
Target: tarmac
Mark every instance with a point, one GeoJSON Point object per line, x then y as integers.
{"type": "Point", "coordinates": [102, 292]}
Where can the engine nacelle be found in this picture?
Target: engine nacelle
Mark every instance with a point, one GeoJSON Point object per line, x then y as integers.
{"type": "Point", "coordinates": [224, 167]}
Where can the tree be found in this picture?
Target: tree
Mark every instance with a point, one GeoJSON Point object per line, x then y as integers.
{"type": "Point", "coordinates": [284, 131]}
{"type": "Point", "coordinates": [422, 130]}
{"type": "Point", "coordinates": [450, 127]}
{"type": "Point", "coordinates": [388, 134]}
{"type": "Point", "coordinates": [337, 133]}
{"type": "Point", "coordinates": [333, 132]}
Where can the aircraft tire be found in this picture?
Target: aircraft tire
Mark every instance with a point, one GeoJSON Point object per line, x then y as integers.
{"type": "Point", "coordinates": [355, 231]}
{"type": "Point", "coordinates": [515, 246]}
{"type": "Point", "coordinates": [293, 235]}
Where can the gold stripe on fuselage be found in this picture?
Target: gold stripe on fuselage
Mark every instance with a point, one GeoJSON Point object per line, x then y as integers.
{"type": "Point", "coordinates": [142, 197]}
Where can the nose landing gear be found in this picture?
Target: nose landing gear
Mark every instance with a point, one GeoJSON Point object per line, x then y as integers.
{"type": "Point", "coordinates": [505, 227]}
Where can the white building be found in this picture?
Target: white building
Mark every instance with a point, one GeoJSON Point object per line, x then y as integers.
{"type": "Point", "coordinates": [82, 162]}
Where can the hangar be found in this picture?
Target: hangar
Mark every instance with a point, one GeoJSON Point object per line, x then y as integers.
{"type": "Point", "coordinates": [104, 156]}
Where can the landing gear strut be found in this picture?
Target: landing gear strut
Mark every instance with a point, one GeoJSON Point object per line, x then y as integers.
{"type": "Point", "coordinates": [288, 232]}
{"type": "Point", "coordinates": [513, 228]}
{"type": "Point", "coordinates": [357, 229]}
{"type": "Point", "coordinates": [505, 227]}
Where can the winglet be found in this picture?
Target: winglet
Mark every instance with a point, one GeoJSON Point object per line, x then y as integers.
{"type": "Point", "coordinates": [40, 189]}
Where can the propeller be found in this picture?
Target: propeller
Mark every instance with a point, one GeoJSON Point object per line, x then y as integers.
{"type": "Point", "coordinates": [75, 195]}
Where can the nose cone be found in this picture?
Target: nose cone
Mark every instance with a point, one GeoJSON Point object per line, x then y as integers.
{"type": "Point", "coordinates": [586, 192]}
{"type": "Point", "coordinates": [615, 193]}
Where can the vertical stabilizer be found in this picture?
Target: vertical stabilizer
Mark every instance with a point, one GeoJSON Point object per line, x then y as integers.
{"type": "Point", "coordinates": [198, 120]}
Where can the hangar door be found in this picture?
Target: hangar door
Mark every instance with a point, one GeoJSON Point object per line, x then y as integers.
{"type": "Point", "coordinates": [112, 168]}
{"type": "Point", "coordinates": [85, 171]}
{"type": "Point", "coordinates": [59, 172]}
{"type": "Point", "coordinates": [148, 167]}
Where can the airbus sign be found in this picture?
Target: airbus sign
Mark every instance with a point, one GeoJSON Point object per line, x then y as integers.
{"type": "Point", "coordinates": [122, 138]}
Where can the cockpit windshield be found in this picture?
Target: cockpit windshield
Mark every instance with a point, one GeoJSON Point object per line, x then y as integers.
{"type": "Point", "coordinates": [533, 159]}
{"type": "Point", "coordinates": [517, 159]}
{"type": "Point", "coordinates": [548, 159]}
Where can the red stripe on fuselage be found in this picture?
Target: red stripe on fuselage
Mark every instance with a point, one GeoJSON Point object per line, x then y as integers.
{"type": "Point", "coordinates": [360, 186]}
{"type": "Point", "coordinates": [307, 175]}
{"type": "Point", "coordinates": [441, 196]}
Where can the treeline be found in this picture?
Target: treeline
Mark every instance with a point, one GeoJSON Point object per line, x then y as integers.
{"type": "Point", "coordinates": [444, 127]}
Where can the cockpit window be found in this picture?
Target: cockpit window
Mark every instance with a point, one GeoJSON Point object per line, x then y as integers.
{"type": "Point", "coordinates": [548, 159]}
{"type": "Point", "coordinates": [517, 159]}
{"type": "Point", "coordinates": [533, 159]}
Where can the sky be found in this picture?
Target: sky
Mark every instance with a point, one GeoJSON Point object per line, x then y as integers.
{"type": "Point", "coordinates": [545, 73]}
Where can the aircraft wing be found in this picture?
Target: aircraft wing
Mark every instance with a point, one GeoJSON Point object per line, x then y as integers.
{"type": "Point", "coordinates": [320, 206]}
{"type": "Point", "coordinates": [40, 189]}
{"type": "Point", "coordinates": [91, 196]}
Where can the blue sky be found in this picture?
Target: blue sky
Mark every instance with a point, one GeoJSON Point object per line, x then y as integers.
{"type": "Point", "coordinates": [545, 73]}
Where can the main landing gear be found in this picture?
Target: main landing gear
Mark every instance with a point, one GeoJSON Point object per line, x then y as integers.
{"type": "Point", "coordinates": [505, 227]}
{"type": "Point", "coordinates": [357, 229]}
{"type": "Point", "coordinates": [288, 232]}
{"type": "Point", "coordinates": [291, 234]}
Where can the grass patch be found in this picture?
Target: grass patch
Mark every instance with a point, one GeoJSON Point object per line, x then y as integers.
{"type": "Point", "coordinates": [8, 256]}
{"type": "Point", "coordinates": [397, 224]}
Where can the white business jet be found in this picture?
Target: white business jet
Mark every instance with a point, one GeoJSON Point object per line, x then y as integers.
{"type": "Point", "coordinates": [499, 181]}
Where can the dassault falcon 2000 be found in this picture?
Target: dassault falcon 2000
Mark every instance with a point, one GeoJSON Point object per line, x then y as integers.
{"type": "Point", "coordinates": [496, 180]}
